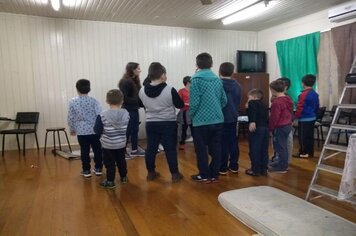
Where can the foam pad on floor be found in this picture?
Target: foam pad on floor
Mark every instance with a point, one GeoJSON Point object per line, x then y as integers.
{"type": "Point", "coordinates": [270, 211]}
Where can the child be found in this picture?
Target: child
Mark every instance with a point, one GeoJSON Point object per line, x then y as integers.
{"type": "Point", "coordinates": [230, 146]}
{"type": "Point", "coordinates": [287, 84]}
{"type": "Point", "coordinates": [183, 116]}
{"type": "Point", "coordinates": [280, 124]}
{"type": "Point", "coordinates": [258, 133]}
{"type": "Point", "coordinates": [82, 113]}
{"type": "Point", "coordinates": [161, 101]}
{"type": "Point", "coordinates": [112, 125]}
{"type": "Point", "coordinates": [307, 108]}
{"type": "Point", "coordinates": [207, 98]}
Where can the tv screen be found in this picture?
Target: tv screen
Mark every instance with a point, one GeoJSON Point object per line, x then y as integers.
{"type": "Point", "coordinates": [251, 61]}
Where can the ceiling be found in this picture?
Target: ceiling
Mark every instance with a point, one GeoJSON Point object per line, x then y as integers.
{"type": "Point", "coordinates": [181, 13]}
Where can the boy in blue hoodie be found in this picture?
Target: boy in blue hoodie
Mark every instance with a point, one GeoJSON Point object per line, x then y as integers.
{"type": "Point", "coordinates": [112, 125]}
{"type": "Point", "coordinates": [230, 146]}
{"type": "Point", "coordinates": [207, 99]}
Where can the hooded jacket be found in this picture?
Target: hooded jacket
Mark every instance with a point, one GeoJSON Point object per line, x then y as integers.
{"type": "Point", "coordinates": [112, 125]}
{"type": "Point", "coordinates": [207, 98]}
{"type": "Point", "coordinates": [281, 112]}
{"type": "Point", "coordinates": [160, 102]}
{"type": "Point", "coordinates": [233, 93]}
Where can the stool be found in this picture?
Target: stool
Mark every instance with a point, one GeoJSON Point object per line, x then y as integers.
{"type": "Point", "coordinates": [54, 130]}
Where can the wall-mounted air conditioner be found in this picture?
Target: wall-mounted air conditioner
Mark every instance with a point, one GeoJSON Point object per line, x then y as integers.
{"type": "Point", "coordinates": [343, 12]}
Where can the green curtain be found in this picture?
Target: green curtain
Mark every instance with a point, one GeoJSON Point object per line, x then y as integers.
{"type": "Point", "coordinates": [298, 57]}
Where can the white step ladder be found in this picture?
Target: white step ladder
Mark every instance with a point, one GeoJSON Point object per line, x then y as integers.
{"type": "Point", "coordinates": [333, 150]}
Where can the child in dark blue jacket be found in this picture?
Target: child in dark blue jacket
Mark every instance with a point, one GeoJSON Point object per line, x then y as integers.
{"type": "Point", "coordinates": [230, 147]}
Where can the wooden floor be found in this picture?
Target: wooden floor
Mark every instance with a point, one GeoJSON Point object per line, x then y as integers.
{"type": "Point", "coordinates": [45, 195]}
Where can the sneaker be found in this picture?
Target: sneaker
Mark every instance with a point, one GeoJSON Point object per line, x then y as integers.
{"type": "Point", "coordinates": [223, 172]}
{"type": "Point", "coordinates": [200, 179]}
{"type": "Point", "coordinates": [98, 171]}
{"type": "Point", "coordinates": [189, 140]}
{"type": "Point", "coordinates": [86, 173]}
{"type": "Point", "coordinates": [277, 170]}
{"type": "Point", "coordinates": [235, 171]}
{"type": "Point", "coordinates": [176, 177]}
{"type": "Point", "coordinates": [107, 184]}
{"type": "Point", "coordinates": [214, 180]}
{"type": "Point", "coordinates": [304, 155]}
{"type": "Point", "coordinates": [127, 156]}
{"type": "Point", "coordinates": [152, 175]}
{"type": "Point", "coordinates": [160, 148]}
{"type": "Point", "coordinates": [124, 180]}
{"type": "Point", "coordinates": [137, 153]}
{"type": "Point", "coordinates": [181, 147]}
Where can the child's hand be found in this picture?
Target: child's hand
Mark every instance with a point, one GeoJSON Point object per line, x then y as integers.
{"type": "Point", "coordinates": [252, 127]}
{"type": "Point", "coordinates": [295, 122]}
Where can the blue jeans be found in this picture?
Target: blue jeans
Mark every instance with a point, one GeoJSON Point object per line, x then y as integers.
{"type": "Point", "coordinates": [229, 147]}
{"type": "Point", "coordinates": [85, 142]}
{"type": "Point", "coordinates": [164, 132]}
{"type": "Point", "coordinates": [132, 129]}
{"type": "Point", "coordinates": [258, 144]}
{"type": "Point", "coordinates": [207, 140]}
{"type": "Point", "coordinates": [280, 144]}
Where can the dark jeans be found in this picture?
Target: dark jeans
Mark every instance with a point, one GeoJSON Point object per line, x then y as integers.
{"type": "Point", "coordinates": [306, 137]}
{"type": "Point", "coordinates": [280, 145]}
{"type": "Point", "coordinates": [113, 158]}
{"type": "Point", "coordinates": [258, 145]}
{"type": "Point", "coordinates": [164, 132]}
{"type": "Point", "coordinates": [229, 147]}
{"type": "Point", "coordinates": [132, 129]}
{"type": "Point", "coordinates": [184, 129]}
{"type": "Point", "coordinates": [207, 139]}
{"type": "Point", "coordinates": [85, 142]}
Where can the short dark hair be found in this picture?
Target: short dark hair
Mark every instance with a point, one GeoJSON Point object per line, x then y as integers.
{"type": "Point", "coordinates": [204, 61]}
{"type": "Point", "coordinates": [83, 86]}
{"type": "Point", "coordinates": [186, 80]}
{"type": "Point", "coordinates": [257, 93]}
{"type": "Point", "coordinates": [309, 80]}
{"type": "Point", "coordinates": [286, 82]}
{"type": "Point", "coordinates": [278, 86]}
{"type": "Point", "coordinates": [226, 69]}
{"type": "Point", "coordinates": [114, 97]}
{"type": "Point", "coordinates": [156, 70]}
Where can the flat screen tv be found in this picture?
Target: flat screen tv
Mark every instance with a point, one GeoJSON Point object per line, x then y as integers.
{"type": "Point", "coordinates": [251, 61]}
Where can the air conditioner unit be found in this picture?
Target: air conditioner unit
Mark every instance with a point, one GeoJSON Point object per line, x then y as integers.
{"type": "Point", "coordinates": [343, 12]}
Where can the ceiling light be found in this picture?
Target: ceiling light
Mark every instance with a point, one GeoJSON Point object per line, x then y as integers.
{"type": "Point", "coordinates": [41, 2]}
{"type": "Point", "coordinates": [249, 12]}
{"type": "Point", "coordinates": [72, 3]}
{"type": "Point", "coordinates": [55, 5]}
{"type": "Point", "coordinates": [232, 7]}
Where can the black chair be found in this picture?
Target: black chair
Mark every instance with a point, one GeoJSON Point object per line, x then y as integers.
{"type": "Point", "coordinates": [318, 124]}
{"type": "Point", "coordinates": [26, 124]}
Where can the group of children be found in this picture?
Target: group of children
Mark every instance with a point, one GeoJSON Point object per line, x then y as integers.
{"type": "Point", "coordinates": [209, 105]}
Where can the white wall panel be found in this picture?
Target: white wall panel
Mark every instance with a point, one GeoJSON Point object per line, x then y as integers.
{"type": "Point", "coordinates": [42, 58]}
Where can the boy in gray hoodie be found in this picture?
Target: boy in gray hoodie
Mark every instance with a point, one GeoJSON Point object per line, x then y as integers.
{"type": "Point", "coordinates": [112, 124]}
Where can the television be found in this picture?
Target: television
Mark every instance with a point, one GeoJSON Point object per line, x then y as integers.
{"type": "Point", "coordinates": [250, 61]}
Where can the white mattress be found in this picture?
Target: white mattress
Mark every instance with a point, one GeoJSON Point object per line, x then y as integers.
{"type": "Point", "coordinates": [270, 211]}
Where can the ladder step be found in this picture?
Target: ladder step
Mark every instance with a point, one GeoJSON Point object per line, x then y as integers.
{"type": "Point", "coordinates": [331, 169]}
{"type": "Point", "coordinates": [334, 147]}
{"type": "Point", "coordinates": [345, 127]}
{"type": "Point", "coordinates": [329, 192]}
{"type": "Point", "coordinates": [347, 106]}
{"type": "Point", "coordinates": [350, 86]}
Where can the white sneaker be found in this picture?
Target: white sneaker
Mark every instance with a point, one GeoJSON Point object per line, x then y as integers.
{"type": "Point", "coordinates": [160, 148]}
{"type": "Point", "coordinates": [189, 140]}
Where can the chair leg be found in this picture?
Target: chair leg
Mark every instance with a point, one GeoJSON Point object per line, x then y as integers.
{"type": "Point", "coordinates": [45, 143]}
{"type": "Point", "coordinates": [70, 149]}
{"type": "Point", "coordinates": [59, 141]}
{"type": "Point", "coordinates": [54, 143]}
{"type": "Point", "coordinates": [3, 144]}
{"type": "Point", "coordinates": [18, 142]}
{"type": "Point", "coordinates": [38, 148]}
{"type": "Point", "coordinates": [24, 144]}
{"type": "Point", "coordinates": [318, 136]}
{"type": "Point", "coordinates": [321, 132]}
